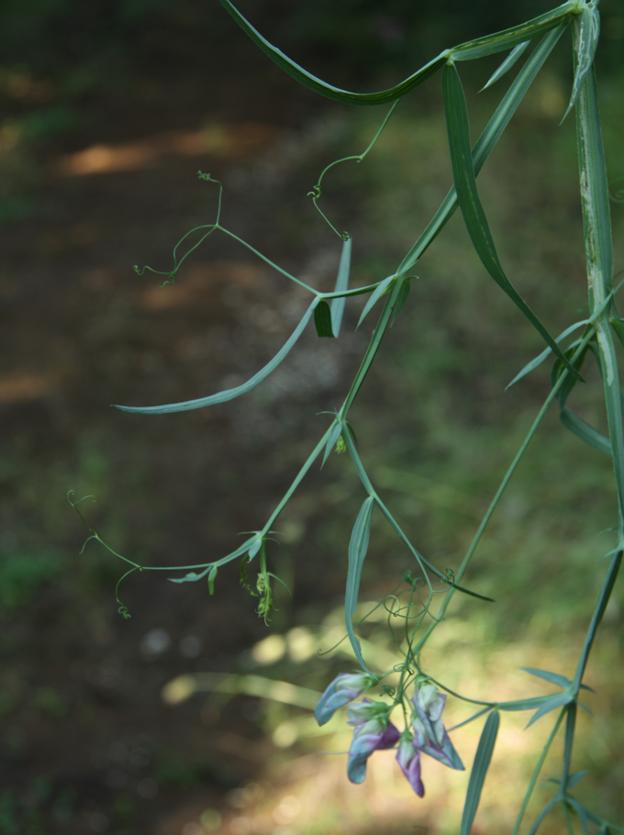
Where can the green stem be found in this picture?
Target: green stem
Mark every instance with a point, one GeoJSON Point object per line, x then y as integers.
{"type": "Point", "coordinates": [502, 487]}
{"type": "Point", "coordinates": [536, 773]}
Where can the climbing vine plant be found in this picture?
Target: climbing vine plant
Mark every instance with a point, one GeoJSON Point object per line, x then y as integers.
{"type": "Point", "coordinates": [407, 690]}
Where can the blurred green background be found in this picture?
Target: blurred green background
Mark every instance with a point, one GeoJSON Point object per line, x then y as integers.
{"type": "Point", "coordinates": [109, 109]}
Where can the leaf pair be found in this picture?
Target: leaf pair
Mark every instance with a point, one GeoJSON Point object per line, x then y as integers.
{"type": "Point", "coordinates": [328, 316]}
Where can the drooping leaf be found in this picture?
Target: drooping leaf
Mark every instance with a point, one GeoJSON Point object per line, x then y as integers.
{"type": "Point", "coordinates": [575, 424]}
{"type": "Point", "coordinates": [237, 391]}
{"type": "Point", "coordinates": [342, 283]}
{"type": "Point", "coordinates": [479, 771]}
{"type": "Point", "coordinates": [585, 431]}
{"type": "Point", "coordinates": [307, 79]}
{"type": "Point", "coordinates": [479, 47]}
{"type": "Point", "coordinates": [323, 319]}
{"type": "Point", "coordinates": [469, 201]}
{"type": "Point", "coordinates": [358, 548]}
{"type": "Point", "coordinates": [507, 64]}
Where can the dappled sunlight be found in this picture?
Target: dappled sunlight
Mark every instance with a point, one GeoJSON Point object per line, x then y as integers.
{"type": "Point", "coordinates": [302, 788]}
{"type": "Point", "coordinates": [224, 141]}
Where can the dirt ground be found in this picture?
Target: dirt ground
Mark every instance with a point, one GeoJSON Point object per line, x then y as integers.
{"type": "Point", "coordinates": [90, 745]}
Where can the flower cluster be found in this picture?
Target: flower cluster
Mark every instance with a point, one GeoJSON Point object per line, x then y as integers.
{"type": "Point", "coordinates": [373, 730]}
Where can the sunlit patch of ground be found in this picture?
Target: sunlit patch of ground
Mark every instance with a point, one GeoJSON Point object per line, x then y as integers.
{"type": "Point", "coordinates": [226, 141]}
{"type": "Point", "coordinates": [25, 385]}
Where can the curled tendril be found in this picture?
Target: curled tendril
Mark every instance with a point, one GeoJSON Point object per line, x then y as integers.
{"type": "Point", "coordinates": [122, 609]}
{"type": "Point", "coordinates": [316, 191]}
{"type": "Point", "coordinates": [206, 229]}
{"type": "Point", "coordinates": [92, 537]}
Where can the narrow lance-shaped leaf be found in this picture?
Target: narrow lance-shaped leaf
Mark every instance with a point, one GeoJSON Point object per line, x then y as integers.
{"type": "Point", "coordinates": [492, 132]}
{"type": "Point", "coordinates": [469, 202]}
{"type": "Point", "coordinates": [358, 548]}
{"type": "Point", "coordinates": [500, 41]}
{"type": "Point", "coordinates": [237, 391]}
{"type": "Point", "coordinates": [342, 283]}
{"type": "Point", "coordinates": [470, 719]}
{"type": "Point", "coordinates": [551, 703]}
{"type": "Point", "coordinates": [332, 440]}
{"type": "Point", "coordinates": [603, 599]}
{"type": "Point", "coordinates": [539, 359]}
{"type": "Point", "coordinates": [518, 705]}
{"type": "Point", "coordinates": [318, 85]}
{"type": "Point", "coordinates": [547, 675]}
{"type": "Point", "coordinates": [496, 42]}
{"type": "Point", "coordinates": [507, 64]}
{"type": "Point", "coordinates": [382, 288]}
{"type": "Point", "coordinates": [479, 771]}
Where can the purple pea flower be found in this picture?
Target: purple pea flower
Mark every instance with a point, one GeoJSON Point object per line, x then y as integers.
{"type": "Point", "coordinates": [408, 757]}
{"type": "Point", "coordinates": [430, 735]}
{"type": "Point", "coordinates": [342, 690]}
{"type": "Point", "coordinates": [372, 731]}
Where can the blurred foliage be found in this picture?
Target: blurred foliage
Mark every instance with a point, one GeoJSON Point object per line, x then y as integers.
{"type": "Point", "coordinates": [71, 42]}
{"type": "Point", "coordinates": [23, 575]}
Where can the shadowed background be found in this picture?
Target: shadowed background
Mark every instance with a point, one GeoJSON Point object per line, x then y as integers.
{"type": "Point", "coordinates": [109, 109]}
